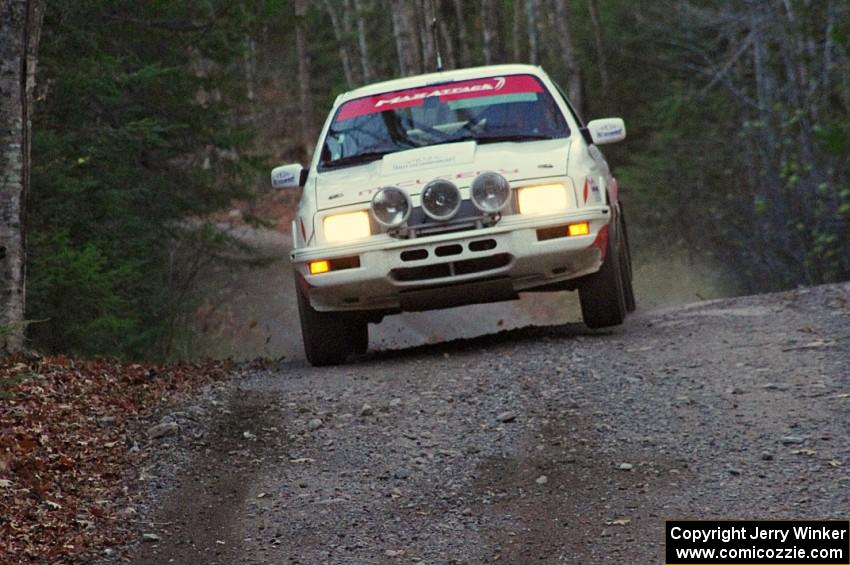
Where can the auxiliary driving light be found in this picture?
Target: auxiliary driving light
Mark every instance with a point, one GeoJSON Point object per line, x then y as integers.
{"type": "Point", "coordinates": [490, 192]}
{"type": "Point", "coordinates": [542, 199]}
{"type": "Point", "coordinates": [441, 199]}
{"type": "Point", "coordinates": [391, 206]}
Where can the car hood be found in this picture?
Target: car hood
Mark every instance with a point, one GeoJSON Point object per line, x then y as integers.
{"type": "Point", "coordinates": [411, 170]}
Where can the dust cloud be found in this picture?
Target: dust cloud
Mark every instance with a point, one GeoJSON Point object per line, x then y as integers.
{"type": "Point", "coordinates": [252, 313]}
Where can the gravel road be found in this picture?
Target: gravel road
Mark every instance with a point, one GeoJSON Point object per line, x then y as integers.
{"type": "Point", "coordinates": [535, 445]}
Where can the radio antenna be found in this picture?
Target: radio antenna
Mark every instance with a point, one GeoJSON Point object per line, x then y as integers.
{"type": "Point", "coordinates": [436, 36]}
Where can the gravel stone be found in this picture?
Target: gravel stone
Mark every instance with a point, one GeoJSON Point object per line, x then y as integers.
{"type": "Point", "coordinates": [163, 430]}
{"type": "Point", "coordinates": [506, 417]}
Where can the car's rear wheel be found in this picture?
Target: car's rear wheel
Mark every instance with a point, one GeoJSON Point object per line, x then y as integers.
{"type": "Point", "coordinates": [329, 337]}
{"type": "Point", "coordinates": [603, 301]}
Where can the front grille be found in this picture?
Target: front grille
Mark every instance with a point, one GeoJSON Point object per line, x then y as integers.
{"type": "Point", "coordinates": [446, 250]}
{"type": "Point", "coordinates": [443, 270]}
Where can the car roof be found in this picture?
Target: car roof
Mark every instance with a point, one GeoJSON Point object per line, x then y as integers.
{"type": "Point", "coordinates": [438, 78]}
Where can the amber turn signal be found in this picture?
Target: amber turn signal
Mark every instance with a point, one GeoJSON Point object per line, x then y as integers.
{"type": "Point", "coordinates": [578, 229]}
{"type": "Point", "coordinates": [319, 267]}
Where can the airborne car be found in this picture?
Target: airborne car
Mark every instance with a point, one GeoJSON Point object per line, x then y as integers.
{"type": "Point", "coordinates": [454, 188]}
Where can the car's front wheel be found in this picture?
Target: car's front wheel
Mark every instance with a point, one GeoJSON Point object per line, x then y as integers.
{"type": "Point", "coordinates": [602, 297]}
{"type": "Point", "coordinates": [329, 337]}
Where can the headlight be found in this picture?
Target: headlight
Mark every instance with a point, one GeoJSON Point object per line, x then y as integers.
{"type": "Point", "coordinates": [441, 199]}
{"type": "Point", "coordinates": [346, 227]}
{"type": "Point", "coordinates": [391, 206]}
{"type": "Point", "coordinates": [542, 199]}
{"type": "Point", "coordinates": [490, 192]}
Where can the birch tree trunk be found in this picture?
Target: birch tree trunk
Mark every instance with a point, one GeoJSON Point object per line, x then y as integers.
{"type": "Point", "coordinates": [487, 32]}
{"type": "Point", "coordinates": [308, 133]}
{"type": "Point", "coordinates": [516, 46]}
{"type": "Point", "coordinates": [363, 42]}
{"type": "Point", "coordinates": [568, 52]}
{"type": "Point", "coordinates": [490, 23]}
{"type": "Point", "coordinates": [249, 61]}
{"type": "Point", "coordinates": [333, 8]}
{"type": "Point", "coordinates": [449, 59]}
{"type": "Point", "coordinates": [406, 37]}
{"type": "Point", "coordinates": [20, 30]}
{"type": "Point", "coordinates": [531, 9]}
{"type": "Point", "coordinates": [429, 49]}
{"type": "Point", "coordinates": [601, 59]}
{"type": "Point", "coordinates": [465, 54]}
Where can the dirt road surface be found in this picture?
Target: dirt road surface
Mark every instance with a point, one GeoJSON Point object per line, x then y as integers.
{"type": "Point", "coordinates": [534, 445]}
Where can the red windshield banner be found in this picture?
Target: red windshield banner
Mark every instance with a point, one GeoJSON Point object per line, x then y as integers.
{"type": "Point", "coordinates": [515, 84]}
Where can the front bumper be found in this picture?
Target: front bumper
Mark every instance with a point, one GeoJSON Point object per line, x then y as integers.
{"type": "Point", "coordinates": [482, 265]}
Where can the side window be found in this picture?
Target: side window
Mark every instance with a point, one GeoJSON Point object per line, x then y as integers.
{"type": "Point", "coordinates": [570, 106]}
{"type": "Point", "coordinates": [582, 128]}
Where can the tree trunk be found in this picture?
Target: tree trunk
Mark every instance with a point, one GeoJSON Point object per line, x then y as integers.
{"type": "Point", "coordinates": [429, 49]}
{"type": "Point", "coordinates": [308, 133]}
{"type": "Point", "coordinates": [568, 52]}
{"type": "Point", "coordinates": [465, 54]}
{"type": "Point", "coordinates": [449, 59]}
{"type": "Point", "coordinates": [249, 61]}
{"type": "Point", "coordinates": [516, 45]}
{"type": "Point", "coordinates": [406, 37]}
{"type": "Point", "coordinates": [531, 9]}
{"type": "Point", "coordinates": [487, 32]}
{"type": "Point", "coordinates": [490, 20]}
{"type": "Point", "coordinates": [341, 39]}
{"type": "Point", "coordinates": [363, 43]}
{"type": "Point", "coordinates": [20, 31]}
{"type": "Point", "coordinates": [601, 59]}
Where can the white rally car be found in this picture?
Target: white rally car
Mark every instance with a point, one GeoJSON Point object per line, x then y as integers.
{"type": "Point", "coordinates": [454, 188]}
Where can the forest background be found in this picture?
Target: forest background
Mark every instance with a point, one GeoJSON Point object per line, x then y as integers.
{"type": "Point", "coordinates": [153, 120]}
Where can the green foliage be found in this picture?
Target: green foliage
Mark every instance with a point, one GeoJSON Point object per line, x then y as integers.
{"type": "Point", "coordinates": [133, 142]}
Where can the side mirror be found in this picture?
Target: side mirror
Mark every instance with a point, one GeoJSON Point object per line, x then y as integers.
{"type": "Point", "coordinates": [607, 130]}
{"type": "Point", "coordinates": [289, 176]}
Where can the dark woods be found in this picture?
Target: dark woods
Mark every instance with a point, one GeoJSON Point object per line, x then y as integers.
{"type": "Point", "coordinates": [149, 117]}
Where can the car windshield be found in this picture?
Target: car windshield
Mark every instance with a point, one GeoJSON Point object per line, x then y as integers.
{"type": "Point", "coordinates": [510, 108]}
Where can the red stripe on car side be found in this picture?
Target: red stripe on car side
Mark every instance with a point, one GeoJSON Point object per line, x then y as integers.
{"type": "Point", "coordinates": [614, 190]}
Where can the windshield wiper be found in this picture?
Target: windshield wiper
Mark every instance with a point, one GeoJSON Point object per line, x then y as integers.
{"type": "Point", "coordinates": [514, 137]}
{"type": "Point", "coordinates": [356, 159]}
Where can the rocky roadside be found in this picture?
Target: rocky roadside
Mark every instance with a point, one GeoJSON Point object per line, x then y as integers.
{"type": "Point", "coordinates": [552, 444]}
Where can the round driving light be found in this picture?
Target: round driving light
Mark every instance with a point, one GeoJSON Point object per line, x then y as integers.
{"type": "Point", "coordinates": [391, 206]}
{"type": "Point", "coordinates": [441, 199]}
{"type": "Point", "coordinates": [490, 192]}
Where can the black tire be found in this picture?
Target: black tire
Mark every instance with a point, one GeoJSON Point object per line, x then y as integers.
{"type": "Point", "coordinates": [626, 267]}
{"type": "Point", "coordinates": [359, 335]}
{"type": "Point", "coordinates": [603, 301]}
{"type": "Point", "coordinates": [329, 337]}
